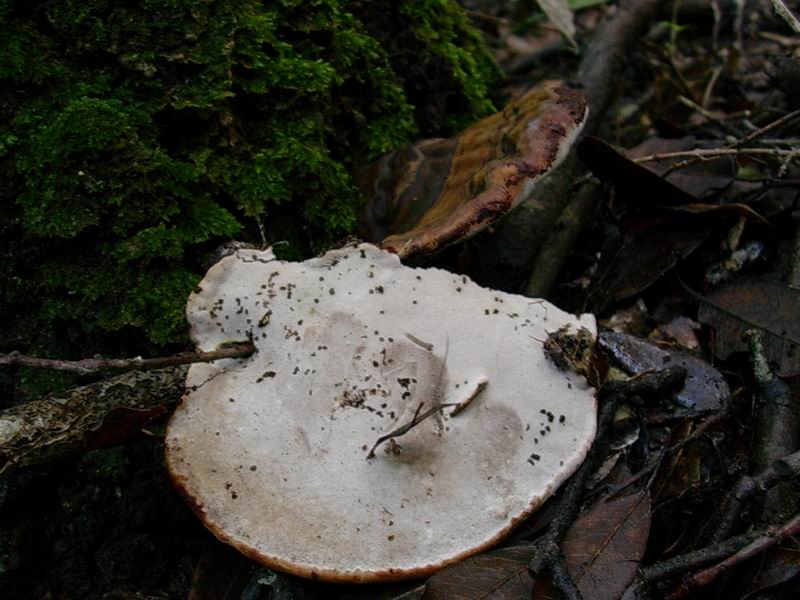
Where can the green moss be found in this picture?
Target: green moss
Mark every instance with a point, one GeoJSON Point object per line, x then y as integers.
{"type": "Point", "coordinates": [135, 137]}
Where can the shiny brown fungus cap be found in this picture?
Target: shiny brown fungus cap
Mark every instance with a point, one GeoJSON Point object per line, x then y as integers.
{"type": "Point", "coordinates": [440, 191]}
{"type": "Point", "coordinates": [393, 420]}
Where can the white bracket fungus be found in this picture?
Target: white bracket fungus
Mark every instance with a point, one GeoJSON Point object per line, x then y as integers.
{"type": "Point", "coordinates": [393, 420]}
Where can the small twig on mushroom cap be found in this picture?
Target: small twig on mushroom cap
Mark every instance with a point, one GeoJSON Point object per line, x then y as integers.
{"type": "Point", "coordinates": [480, 385]}
{"type": "Point", "coordinates": [436, 393]}
{"type": "Point", "coordinates": [420, 343]}
{"type": "Point", "coordinates": [404, 429]}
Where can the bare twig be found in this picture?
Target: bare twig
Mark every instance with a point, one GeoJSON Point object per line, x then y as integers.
{"type": "Point", "coordinates": [480, 385]}
{"type": "Point", "coordinates": [709, 89]}
{"type": "Point", "coordinates": [793, 154]}
{"type": "Point", "coordinates": [93, 365]}
{"type": "Point", "coordinates": [750, 137]}
{"type": "Point", "coordinates": [480, 16]}
{"type": "Point", "coordinates": [780, 433]}
{"type": "Point", "coordinates": [783, 469]}
{"type": "Point", "coordinates": [404, 429]}
{"type": "Point", "coordinates": [771, 537]}
{"type": "Point", "coordinates": [549, 559]}
{"type": "Point", "coordinates": [687, 562]}
{"type": "Point", "coordinates": [786, 15]}
{"type": "Point", "coordinates": [576, 216]}
{"type": "Point", "coordinates": [436, 393]}
{"type": "Point", "coordinates": [711, 153]}
{"type": "Point", "coordinates": [776, 431]}
{"type": "Point", "coordinates": [788, 117]}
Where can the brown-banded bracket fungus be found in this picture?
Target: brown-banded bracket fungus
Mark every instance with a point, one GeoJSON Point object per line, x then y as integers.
{"type": "Point", "coordinates": [393, 420]}
{"type": "Point", "coordinates": [439, 191]}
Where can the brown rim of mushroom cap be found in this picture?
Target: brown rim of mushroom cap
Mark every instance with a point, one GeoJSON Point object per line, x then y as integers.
{"type": "Point", "coordinates": [281, 454]}
{"type": "Point", "coordinates": [440, 191]}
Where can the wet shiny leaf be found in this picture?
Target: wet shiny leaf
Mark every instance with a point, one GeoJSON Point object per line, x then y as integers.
{"type": "Point", "coordinates": [704, 390]}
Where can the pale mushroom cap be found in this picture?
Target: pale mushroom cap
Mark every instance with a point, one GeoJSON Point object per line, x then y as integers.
{"type": "Point", "coordinates": [271, 451]}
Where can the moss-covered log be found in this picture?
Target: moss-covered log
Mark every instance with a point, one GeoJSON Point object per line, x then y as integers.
{"type": "Point", "coordinates": [135, 136]}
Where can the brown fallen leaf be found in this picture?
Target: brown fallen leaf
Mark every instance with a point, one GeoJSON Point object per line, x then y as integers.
{"type": "Point", "coordinates": [496, 575]}
{"type": "Point", "coordinates": [769, 306]}
{"type": "Point", "coordinates": [705, 388]}
{"type": "Point", "coordinates": [780, 565]}
{"type": "Point", "coordinates": [646, 254]}
{"type": "Point", "coordinates": [700, 179]}
{"type": "Point", "coordinates": [636, 181]}
{"type": "Point", "coordinates": [602, 549]}
{"type": "Point", "coordinates": [733, 209]}
{"type": "Point", "coordinates": [604, 546]}
{"type": "Point", "coordinates": [653, 184]}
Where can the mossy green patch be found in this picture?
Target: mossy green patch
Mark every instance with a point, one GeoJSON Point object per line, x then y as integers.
{"type": "Point", "coordinates": [135, 137]}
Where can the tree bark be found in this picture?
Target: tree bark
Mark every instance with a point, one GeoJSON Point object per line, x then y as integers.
{"type": "Point", "coordinates": [100, 414]}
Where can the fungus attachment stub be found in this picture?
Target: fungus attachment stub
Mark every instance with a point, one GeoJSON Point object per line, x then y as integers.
{"type": "Point", "coordinates": [272, 451]}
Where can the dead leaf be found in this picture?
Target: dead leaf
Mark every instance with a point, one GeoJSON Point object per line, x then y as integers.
{"type": "Point", "coordinates": [644, 256]}
{"type": "Point", "coordinates": [497, 575]}
{"type": "Point", "coordinates": [604, 546]}
{"type": "Point", "coordinates": [734, 209]}
{"type": "Point", "coordinates": [768, 306]}
{"type": "Point", "coordinates": [779, 566]}
{"type": "Point", "coordinates": [682, 331]}
{"type": "Point", "coordinates": [705, 388]}
{"type": "Point", "coordinates": [560, 15]}
{"type": "Point", "coordinates": [637, 182]}
{"type": "Point", "coordinates": [700, 179]}
{"type": "Point", "coordinates": [653, 184]}
{"type": "Point", "coordinates": [682, 470]}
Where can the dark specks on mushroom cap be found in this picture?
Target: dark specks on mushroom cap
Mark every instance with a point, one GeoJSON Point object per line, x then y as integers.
{"type": "Point", "coordinates": [331, 377]}
{"type": "Point", "coordinates": [440, 191]}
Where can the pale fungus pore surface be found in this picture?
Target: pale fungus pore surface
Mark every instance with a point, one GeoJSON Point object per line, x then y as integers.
{"type": "Point", "coordinates": [273, 452]}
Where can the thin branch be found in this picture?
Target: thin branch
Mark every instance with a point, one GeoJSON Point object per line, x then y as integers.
{"type": "Point", "coordinates": [480, 385]}
{"type": "Point", "coordinates": [404, 429]}
{"type": "Point", "coordinates": [753, 135]}
{"type": "Point", "coordinates": [678, 565]}
{"type": "Point", "coordinates": [711, 153]}
{"type": "Point", "coordinates": [549, 558]}
{"type": "Point", "coordinates": [767, 128]}
{"type": "Point", "coordinates": [93, 365]}
{"type": "Point", "coordinates": [783, 469]}
{"type": "Point", "coordinates": [772, 536]}
{"type": "Point", "coordinates": [786, 15]}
